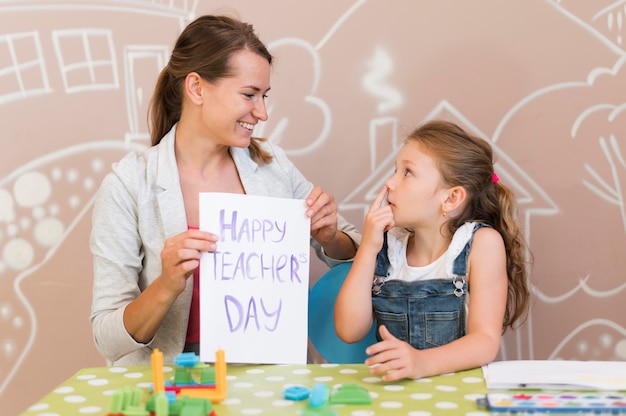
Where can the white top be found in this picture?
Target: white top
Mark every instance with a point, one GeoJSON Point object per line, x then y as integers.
{"type": "Point", "coordinates": [397, 240]}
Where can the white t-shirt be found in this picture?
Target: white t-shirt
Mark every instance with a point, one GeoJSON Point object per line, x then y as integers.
{"type": "Point", "coordinates": [397, 240]}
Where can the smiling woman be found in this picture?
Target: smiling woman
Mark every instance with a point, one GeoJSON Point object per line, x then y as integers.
{"type": "Point", "coordinates": [145, 240]}
{"type": "Point", "coordinates": [231, 106]}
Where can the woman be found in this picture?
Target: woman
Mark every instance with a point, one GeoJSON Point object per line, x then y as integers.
{"type": "Point", "coordinates": [145, 239]}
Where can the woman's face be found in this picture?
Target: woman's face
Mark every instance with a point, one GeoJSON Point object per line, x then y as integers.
{"type": "Point", "coordinates": [233, 106]}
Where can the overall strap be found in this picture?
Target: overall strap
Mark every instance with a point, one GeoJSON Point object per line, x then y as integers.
{"type": "Point", "coordinates": [459, 266]}
{"type": "Point", "coordinates": [382, 259]}
{"type": "Point", "coordinates": [460, 263]}
{"type": "Point", "coordinates": [382, 267]}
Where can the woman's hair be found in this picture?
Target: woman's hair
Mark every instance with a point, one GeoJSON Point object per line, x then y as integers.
{"type": "Point", "coordinates": [467, 161]}
{"type": "Point", "coordinates": [205, 46]}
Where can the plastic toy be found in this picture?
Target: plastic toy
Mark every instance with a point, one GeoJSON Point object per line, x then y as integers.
{"type": "Point", "coordinates": [197, 380]}
{"type": "Point", "coordinates": [318, 402]}
{"type": "Point", "coordinates": [186, 359]}
{"type": "Point", "coordinates": [320, 397]}
{"type": "Point", "coordinates": [127, 399]}
{"type": "Point", "coordinates": [296, 393]}
{"type": "Point", "coordinates": [350, 394]}
{"type": "Point", "coordinates": [195, 388]}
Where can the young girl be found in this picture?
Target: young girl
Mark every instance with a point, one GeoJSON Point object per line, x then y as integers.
{"type": "Point", "coordinates": [441, 261]}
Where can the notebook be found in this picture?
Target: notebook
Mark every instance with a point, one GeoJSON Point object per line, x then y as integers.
{"type": "Point", "coordinates": [556, 374]}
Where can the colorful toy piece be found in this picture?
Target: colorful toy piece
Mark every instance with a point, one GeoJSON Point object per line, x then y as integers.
{"type": "Point", "coordinates": [126, 399]}
{"type": "Point", "coordinates": [156, 359]}
{"type": "Point", "coordinates": [319, 395]}
{"type": "Point", "coordinates": [296, 393]}
{"type": "Point", "coordinates": [196, 387]}
{"type": "Point", "coordinates": [350, 394]}
{"type": "Point", "coordinates": [210, 384]}
{"type": "Point", "coordinates": [186, 359]}
{"type": "Point", "coordinates": [318, 402]}
{"type": "Point", "coordinates": [321, 398]}
{"type": "Point", "coordinates": [181, 406]}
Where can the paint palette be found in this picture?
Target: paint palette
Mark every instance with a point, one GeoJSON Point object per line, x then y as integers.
{"type": "Point", "coordinates": [557, 402]}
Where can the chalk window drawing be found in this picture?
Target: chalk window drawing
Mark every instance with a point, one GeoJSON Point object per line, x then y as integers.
{"type": "Point", "coordinates": [22, 68]}
{"type": "Point", "coordinates": [86, 59]}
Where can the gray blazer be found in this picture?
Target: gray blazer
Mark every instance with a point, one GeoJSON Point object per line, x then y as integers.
{"type": "Point", "coordinates": [138, 206]}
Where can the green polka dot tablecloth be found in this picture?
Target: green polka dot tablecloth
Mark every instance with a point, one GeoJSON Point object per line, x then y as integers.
{"type": "Point", "coordinates": [258, 390]}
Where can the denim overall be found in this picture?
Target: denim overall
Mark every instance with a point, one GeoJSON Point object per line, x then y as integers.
{"type": "Point", "coordinates": [424, 313]}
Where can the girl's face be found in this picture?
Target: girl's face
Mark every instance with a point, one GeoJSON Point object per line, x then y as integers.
{"type": "Point", "coordinates": [416, 193]}
{"type": "Point", "coordinates": [233, 106]}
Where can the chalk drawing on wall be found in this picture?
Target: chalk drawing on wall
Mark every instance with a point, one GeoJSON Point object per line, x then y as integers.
{"type": "Point", "coordinates": [607, 20]}
{"type": "Point", "coordinates": [608, 185]}
{"type": "Point", "coordinates": [310, 103]}
{"type": "Point", "coordinates": [307, 102]}
{"type": "Point", "coordinates": [43, 200]}
{"type": "Point", "coordinates": [610, 335]}
{"type": "Point", "coordinates": [40, 205]}
{"type": "Point", "coordinates": [115, 69]}
{"type": "Point", "coordinates": [612, 188]}
{"type": "Point", "coordinates": [86, 59]}
{"type": "Point", "coordinates": [23, 75]}
{"type": "Point", "coordinates": [138, 60]}
{"type": "Point", "coordinates": [375, 81]}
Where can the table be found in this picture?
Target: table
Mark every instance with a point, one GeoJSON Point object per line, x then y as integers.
{"type": "Point", "coordinates": [258, 390]}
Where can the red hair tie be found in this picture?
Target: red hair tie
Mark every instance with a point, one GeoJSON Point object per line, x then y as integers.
{"type": "Point", "coordinates": [494, 178]}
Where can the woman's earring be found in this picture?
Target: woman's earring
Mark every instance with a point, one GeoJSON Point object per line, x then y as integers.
{"type": "Point", "coordinates": [444, 214]}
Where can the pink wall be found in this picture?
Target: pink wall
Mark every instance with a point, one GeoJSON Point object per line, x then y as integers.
{"type": "Point", "coordinates": [543, 80]}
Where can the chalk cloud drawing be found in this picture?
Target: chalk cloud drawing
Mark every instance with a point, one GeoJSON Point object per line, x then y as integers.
{"type": "Point", "coordinates": [310, 100]}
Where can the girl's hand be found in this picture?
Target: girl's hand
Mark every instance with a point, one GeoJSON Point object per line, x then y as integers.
{"type": "Point", "coordinates": [378, 220]}
{"type": "Point", "coordinates": [181, 256]}
{"type": "Point", "coordinates": [393, 358]}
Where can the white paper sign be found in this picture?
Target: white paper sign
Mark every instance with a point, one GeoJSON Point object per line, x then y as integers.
{"type": "Point", "coordinates": [254, 288]}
